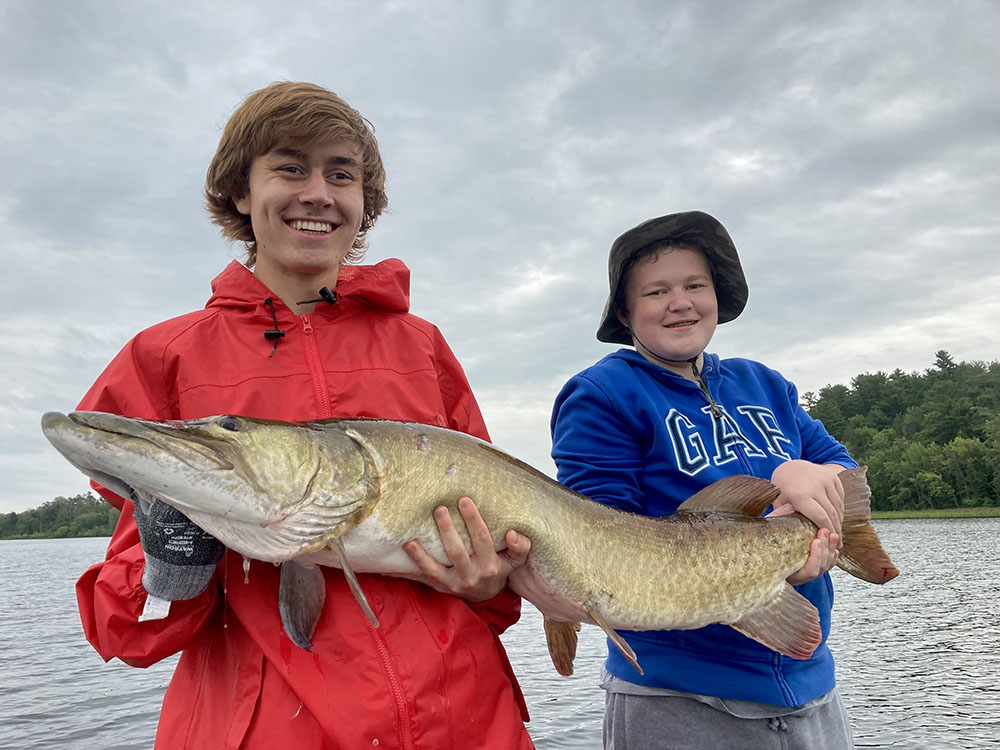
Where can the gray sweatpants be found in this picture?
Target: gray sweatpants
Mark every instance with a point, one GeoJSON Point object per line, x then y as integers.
{"type": "Point", "coordinates": [677, 721]}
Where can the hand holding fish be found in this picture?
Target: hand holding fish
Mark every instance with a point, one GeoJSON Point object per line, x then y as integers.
{"type": "Point", "coordinates": [813, 490]}
{"type": "Point", "coordinates": [816, 492]}
{"type": "Point", "coordinates": [823, 555]}
{"type": "Point", "coordinates": [180, 557]}
{"type": "Point", "coordinates": [476, 577]}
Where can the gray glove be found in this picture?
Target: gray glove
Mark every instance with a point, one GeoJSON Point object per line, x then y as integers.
{"type": "Point", "coordinates": [180, 557]}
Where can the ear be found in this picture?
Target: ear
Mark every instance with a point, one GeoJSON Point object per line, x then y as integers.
{"type": "Point", "coordinates": [242, 204]}
{"type": "Point", "coordinates": [622, 316]}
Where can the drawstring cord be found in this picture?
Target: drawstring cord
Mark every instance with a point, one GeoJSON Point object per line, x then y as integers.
{"type": "Point", "coordinates": [276, 333]}
{"type": "Point", "coordinates": [716, 411]}
{"type": "Point", "coordinates": [325, 295]}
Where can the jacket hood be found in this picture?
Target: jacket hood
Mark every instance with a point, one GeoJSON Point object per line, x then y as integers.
{"type": "Point", "coordinates": [385, 285]}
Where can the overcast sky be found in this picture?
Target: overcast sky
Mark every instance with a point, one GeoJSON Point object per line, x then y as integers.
{"type": "Point", "coordinates": [851, 148]}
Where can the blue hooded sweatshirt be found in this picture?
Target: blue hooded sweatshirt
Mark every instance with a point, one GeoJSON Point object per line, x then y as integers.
{"type": "Point", "coordinates": [641, 438]}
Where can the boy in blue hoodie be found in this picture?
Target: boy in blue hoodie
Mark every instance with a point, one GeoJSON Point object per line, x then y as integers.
{"type": "Point", "coordinates": [647, 427]}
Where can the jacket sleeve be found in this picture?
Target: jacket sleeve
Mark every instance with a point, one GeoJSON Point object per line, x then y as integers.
{"type": "Point", "coordinates": [110, 594]}
{"type": "Point", "coordinates": [596, 449]}
{"type": "Point", "coordinates": [462, 410]}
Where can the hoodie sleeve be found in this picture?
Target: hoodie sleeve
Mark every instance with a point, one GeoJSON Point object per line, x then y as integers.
{"type": "Point", "coordinates": [110, 594]}
{"type": "Point", "coordinates": [595, 450]}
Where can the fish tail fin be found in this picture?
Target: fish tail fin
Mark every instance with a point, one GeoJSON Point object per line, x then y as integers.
{"type": "Point", "coordinates": [862, 555]}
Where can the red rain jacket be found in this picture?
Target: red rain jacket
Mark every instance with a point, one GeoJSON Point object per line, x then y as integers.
{"type": "Point", "coordinates": [434, 675]}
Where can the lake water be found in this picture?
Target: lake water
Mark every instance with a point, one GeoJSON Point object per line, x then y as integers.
{"type": "Point", "coordinates": [918, 659]}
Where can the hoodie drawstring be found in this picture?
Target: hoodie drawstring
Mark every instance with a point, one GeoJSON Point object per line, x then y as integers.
{"type": "Point", "coordinates": [716, 411]}
{"type": "Point", "coordinates": [276, 333]}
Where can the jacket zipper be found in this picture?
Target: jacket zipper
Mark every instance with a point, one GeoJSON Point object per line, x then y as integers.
{"type": "Point", "coordinates": [403, 714]}
{"type": "Point", "coordinates": [315, 365]}
{"type": "Point", "coordinates": [717, 414]}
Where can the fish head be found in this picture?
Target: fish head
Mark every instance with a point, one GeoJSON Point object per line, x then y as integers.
{"type": "Point", "coordinates": [270, 490]}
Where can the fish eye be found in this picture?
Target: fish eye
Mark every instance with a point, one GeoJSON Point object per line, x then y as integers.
{"type": "Point", "coordinates": [230, 423]}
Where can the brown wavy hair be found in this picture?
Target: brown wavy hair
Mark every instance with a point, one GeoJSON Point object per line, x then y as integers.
{"type": "Point", "coordinates": [283, 114]}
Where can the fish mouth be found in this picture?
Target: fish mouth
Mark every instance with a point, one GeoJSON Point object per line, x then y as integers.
{"type": "Point", "coordinates": [94, 442]}
{"type": "Point", "coordinates": [185, 446]}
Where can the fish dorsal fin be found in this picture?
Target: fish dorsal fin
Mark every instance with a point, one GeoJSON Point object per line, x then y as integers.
{"type": "Point", "coordinates": [738, 494]}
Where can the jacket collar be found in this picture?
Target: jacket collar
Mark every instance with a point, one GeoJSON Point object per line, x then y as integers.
{"type": "Point", "coordinates": [385, 285]}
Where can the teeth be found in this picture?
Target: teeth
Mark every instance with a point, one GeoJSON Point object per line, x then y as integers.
{"type": "Point", "coordinates": [311, 226]}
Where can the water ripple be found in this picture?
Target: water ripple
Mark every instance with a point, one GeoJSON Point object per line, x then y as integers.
{"type": "Point", "coordinates": [917, 659]}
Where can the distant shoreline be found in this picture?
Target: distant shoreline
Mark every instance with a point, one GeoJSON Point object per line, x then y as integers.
{"type": "Point", "coordinates": [938, 513]}
{"type": "Point", "coordinates": [988, 512]}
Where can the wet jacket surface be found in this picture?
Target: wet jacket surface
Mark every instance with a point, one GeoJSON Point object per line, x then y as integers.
{"type": "Point", "coordinates": [434, 675]}
{"type": "Point", "coordinates": [634, 435]}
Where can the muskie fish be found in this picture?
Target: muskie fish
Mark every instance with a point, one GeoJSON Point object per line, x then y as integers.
{"type": "Point", "coordinates": [349, 493]}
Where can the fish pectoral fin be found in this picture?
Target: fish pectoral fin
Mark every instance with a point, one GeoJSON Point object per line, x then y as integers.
{"type": "Point", "coordinates": [736, 494]}
{"type": "Point", "coordinates": [561, 639]}
{"type": "Point", "coordinates": [788, 624]}
{"type": "Point", "coordinates": [615, 636]}
{"type": "Point", "coordinates": [352, 580]}
{"type": "Point", "coordinates": [301, 595]}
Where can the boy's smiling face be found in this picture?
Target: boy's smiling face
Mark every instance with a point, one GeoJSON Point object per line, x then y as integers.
{"type": "Point", "coordinates": [306, 204]}
{"type": "Point", "coordinates": [671, 307]}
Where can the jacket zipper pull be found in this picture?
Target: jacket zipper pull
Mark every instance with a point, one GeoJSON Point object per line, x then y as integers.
{"type": "Point", "coordinates": [306, 324]}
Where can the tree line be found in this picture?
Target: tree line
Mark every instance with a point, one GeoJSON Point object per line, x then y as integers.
{"type": "Point", "coordinates": [930, 440]}
{"type": "Point", "coordinates": [80, 515]}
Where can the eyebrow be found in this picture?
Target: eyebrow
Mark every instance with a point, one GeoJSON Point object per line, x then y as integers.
{"type": "Point", "coordinates": [340, 161]}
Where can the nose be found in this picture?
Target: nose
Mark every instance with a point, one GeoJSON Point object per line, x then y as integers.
{"type": "Point", "coordinates": [679, 301]}
{"type": "Point", "coordinates": [315, 190]}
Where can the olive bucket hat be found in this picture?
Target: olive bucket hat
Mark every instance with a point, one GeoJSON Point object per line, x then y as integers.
{"type": "Point", "coordinates": [691, 227]}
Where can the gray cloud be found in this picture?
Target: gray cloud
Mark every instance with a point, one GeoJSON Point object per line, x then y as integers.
{"type": "Point", "coordinates": [851, 148]}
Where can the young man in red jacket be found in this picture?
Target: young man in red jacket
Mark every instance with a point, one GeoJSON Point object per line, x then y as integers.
{"type": "Point", "coordinates": [297, 334]}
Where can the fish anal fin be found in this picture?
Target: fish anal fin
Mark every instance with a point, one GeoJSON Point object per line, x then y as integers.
{"type": "Point", "coordinates": [862, 555]}
{"type": "Point", "coordinates": [788, 624]}
{"type": "Point", "coordinates": [352, 580]}
{"type": "Point", "coordinates": [615, 637]}
{"type": "Point", "coordinates": [561, 639]}
{"type": "Point", "coordinates": [736, 494]}
{"type": "Point", "coordinates": [301, 594]}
